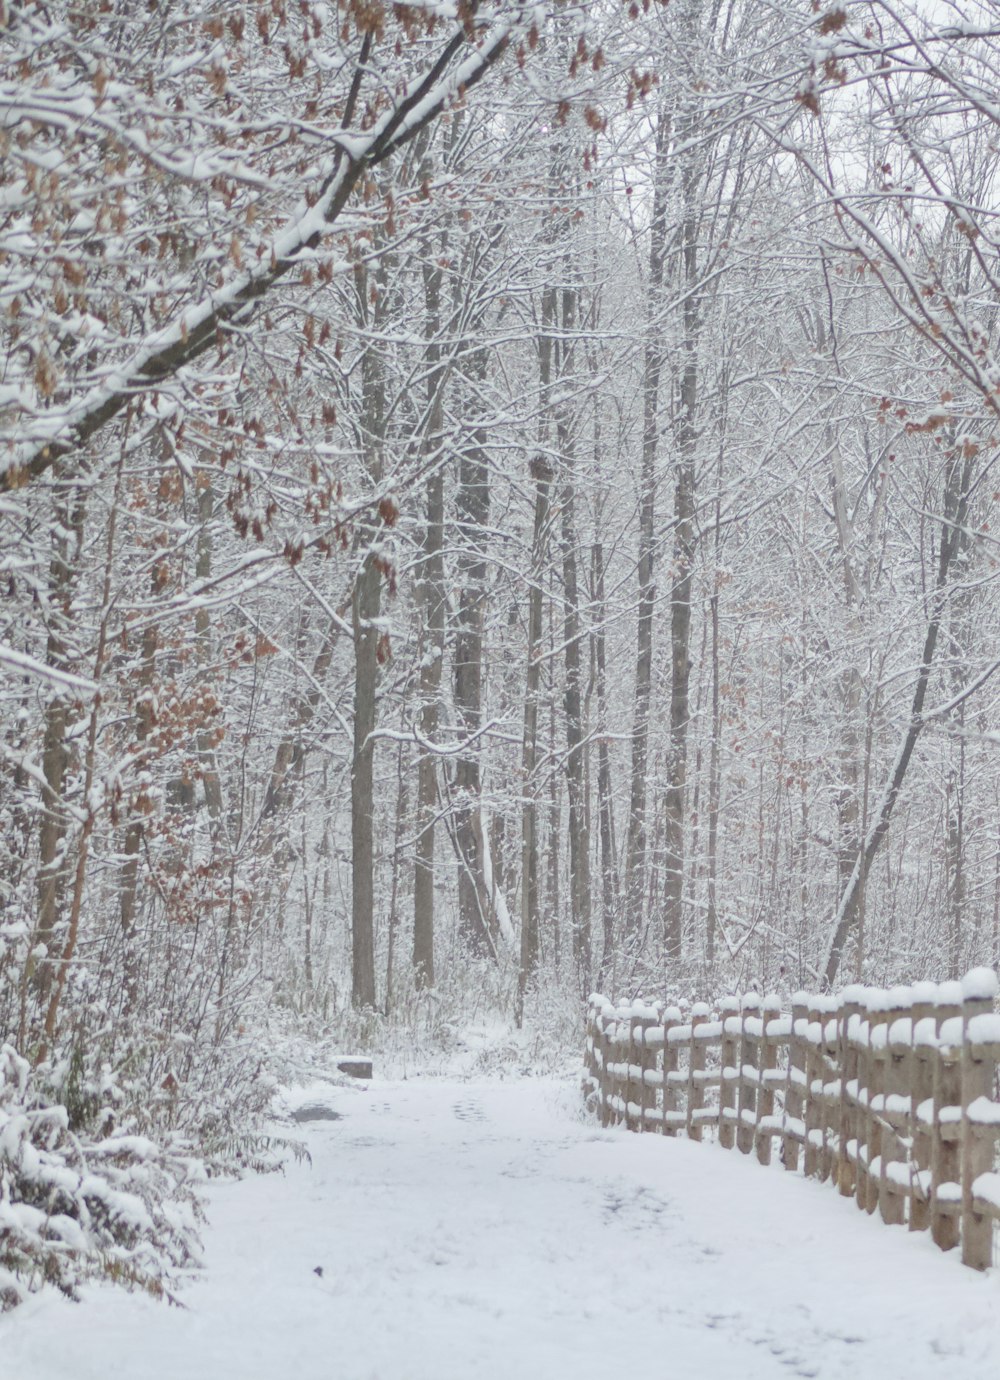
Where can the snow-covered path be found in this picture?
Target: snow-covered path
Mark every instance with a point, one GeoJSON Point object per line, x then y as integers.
{"type": "Point", "coordinates": [483, 1231]}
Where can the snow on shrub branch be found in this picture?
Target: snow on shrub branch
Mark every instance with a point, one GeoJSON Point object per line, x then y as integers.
{"type": "Point", "coordinates": [72, 1208]}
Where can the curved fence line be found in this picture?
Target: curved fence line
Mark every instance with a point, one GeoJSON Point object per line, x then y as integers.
{"type": "Point", "coordinates": [889, 1095]}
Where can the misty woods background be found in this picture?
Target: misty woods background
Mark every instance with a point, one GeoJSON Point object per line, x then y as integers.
{"type": "Point", "coordinates": [496, 500]}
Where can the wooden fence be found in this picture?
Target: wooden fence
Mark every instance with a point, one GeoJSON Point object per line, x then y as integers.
{"type": "Point", "coordinates": [889, 1095]}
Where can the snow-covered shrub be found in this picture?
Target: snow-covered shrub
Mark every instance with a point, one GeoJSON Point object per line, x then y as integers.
{"type": "Point", "coordinates": [76, 1205]}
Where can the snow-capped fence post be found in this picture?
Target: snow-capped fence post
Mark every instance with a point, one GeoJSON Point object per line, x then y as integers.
{"type": "Point", "coordinates": [749, 1076]}
{"type": "Point", "coordinates": [646, 1090]}
{"type": "Point", "coordinates": [945, 1189]}
{"type": "Point", "coordinates": [831, 1085]}
{"type": "Point", "coordinates": [606, 1026]}
{"type": "Point", "coordinates": [978, 1070]}
{"type": "Point", "coordinates": [696, 1068]}
{"type": "Point", "coordinates": [600, 1046]}
{"type": "Point", "coordinates": [608, 1051]}
{"type": "Point", "coordinates": [878, 1046]}
{"type": "Point", "coordinates": [671, 1019]}
{"type": "Point", "coordinates": [594, 1062]}
{"type": "Point", "coordinates": [624, 1057]}
{"type": "Point", "coordinates": [794, 1118]}
{"type": "Point", "coordinates": [729, 1073]}
{"type": "Point", "coordinates": [862, 1044]}
{"type": "Point", "coordinates": [893, 1185]}
{"type": "Point", "coordinates": [633, 1075]}
{"type": "Point", "coordinates": [814, 1088]}
{"type": "Point", "coordinates": [924, 1057]}
{"type": "Point", "coordinates": [848, 1019]}
{"type": "Point", "coordinates": [589, 1060]}
{"type": "Point", "coordinates": [614, 1068]}
{"type": "Point", "coordinates": [772, 1036]}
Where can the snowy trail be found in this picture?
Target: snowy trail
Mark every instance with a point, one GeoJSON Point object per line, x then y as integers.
{"type": "Point", "coordinates": [483, 1230]}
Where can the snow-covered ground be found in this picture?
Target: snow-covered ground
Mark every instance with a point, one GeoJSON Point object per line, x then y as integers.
{"type": "Point", "coordinates": [479, 1230]}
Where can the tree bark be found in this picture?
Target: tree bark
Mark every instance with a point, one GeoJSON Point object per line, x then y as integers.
{"type": "Point", "coordinates": [576, 751]}
{"type": "Point", "coordinates": [431, 600]}
{"type": "Point", "coordinates": [541, 472]}
{"type": "Point", "coordinates": [476, 913]}
{"type": "Point", "coordinates": [680, 591]}
{"type": "Point", "coordinates": [53, 865]}
{"type": "Point", "coordinates": [366, 605]}
{"type": "Point", "coordinates": [605, 798]}
{"type": "Point", "coordinates": [636, 842]}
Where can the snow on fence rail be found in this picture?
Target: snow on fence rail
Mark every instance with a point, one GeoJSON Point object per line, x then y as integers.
{"type": "Point", "coordinates": [889, 1095]}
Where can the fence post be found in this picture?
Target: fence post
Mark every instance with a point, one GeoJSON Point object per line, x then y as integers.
{"type": "Point", "coordinates": [728, 1086]}
{"type": "Point", "coordinates": [814, 1088]}
{"type": "Point", "coordinates": [922, 1103]}
{"type": "Point", "coordinates": [768, 1065]}
{"type": "Point", "coordinates": [830, 1072]}
{"type": "Point", "coordinates": [594, 1055]}
{"type": "Point", "coordinates": [619, 1048]}
{"type": "Point", "coordinates": [878, 1051]}
{"type": "Point", "coordinates": [945, 1158]}
{"type": "Point", "coordinates": [848, 1021]}
{"type": "Point", "coordinates": [646, 1099]}
{"type": "Point", "coordinates": [604, 1045]}
{"type": "Point", "coordinates": [696, 1065]}
{"type": "Point", "coordinates": [978, 991]}
{"type": "Point", "coordinates": [748, 1071]}
{"type": "Point", "coordinates": [795, 1084]}
{"type": "Point", "coordinates": [862, 1113]}
{"type": "Point", "coordinates": [896, 1107]}
{"type": "Point", "coordinates": [633, 1073]}
{"type": "Point", "coordinates": [671, 1018]}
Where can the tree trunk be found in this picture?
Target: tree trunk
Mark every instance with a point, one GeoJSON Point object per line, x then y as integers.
{"type": "Point", "coordinates": [53, 865]}
{"type": "Point", "coordinates": [635, 854]}
{"type": "Point", "coordinates": [541, 472]}
{"type": "Point", "coordinates": [476, 914]}
{"type": "Point", "coordinates": [680, 591]}
{"type": "Point", "coordinates": [432, 600]}
{"type": "Point", "coordinates": [366, 605]}
{"type": "Point", "coordinates": [576, 752]}
{"type": "Point", "coordinates": [129, 881]}
{"type": "Point", "coordinates": [605, 805]}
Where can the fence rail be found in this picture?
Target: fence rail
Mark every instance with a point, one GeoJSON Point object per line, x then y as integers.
{"type": "Point", "coordinates": [889, 1095]}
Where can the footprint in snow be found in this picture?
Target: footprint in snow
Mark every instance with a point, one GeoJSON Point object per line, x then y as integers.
{"type": "Point", "coordinates": [637, 1210]}
{"type": "Point", "coordinates": [469, 1111]}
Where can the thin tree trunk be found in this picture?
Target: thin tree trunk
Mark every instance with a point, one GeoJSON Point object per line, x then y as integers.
{"type": "Point", "coordinates": [397, 860]}
{"type": "Point", "coordinates": [53, 865]}
{"type": "Point", "coordinates": [211, 782]}
{"type": "Point", "coordinates": [714, 787]}
{"type": "Point", "coordinates": [366, 605]}
{"type": "Point", "coordinates": [680, 592]}
{"type": "Point", "coordinates": [432, 600]}
{"type": "Point", "coordinates": [635, 854]}
{"type": "Point", "coordinates": [956, 502]}
{"type": "Point", "coordinates": [576, 752]}
{"type": "Point", "coordinates": [129, 880]}
{"type": "Point", "coordinates": [476, 913]}
{"type": "Point", "coordinates": [604, 791]}
{"type": "Point", "coordinates": [541, 472]}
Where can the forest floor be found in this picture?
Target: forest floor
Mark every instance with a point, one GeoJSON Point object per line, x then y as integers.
{"type": "Point", "coordinates": [483, 1229]}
